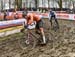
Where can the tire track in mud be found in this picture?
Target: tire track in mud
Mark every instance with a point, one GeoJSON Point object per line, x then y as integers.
{"type": "Point", "coordinates": [62, 45]}
{"type": "Point", "coordinates": [9, 48]}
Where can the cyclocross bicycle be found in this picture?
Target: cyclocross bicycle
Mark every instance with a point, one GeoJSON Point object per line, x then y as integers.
{"type": "Point", "coordinates": [30, 39]}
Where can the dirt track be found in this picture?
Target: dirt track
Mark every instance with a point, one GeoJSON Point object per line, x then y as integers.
{"type": "Point", "coordinates": [63, 44]}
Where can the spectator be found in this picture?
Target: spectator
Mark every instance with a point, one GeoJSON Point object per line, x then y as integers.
{"type": "Point", "coordinates": [5, 14]}
{"type": "Point", "coordinates": [16, 16]}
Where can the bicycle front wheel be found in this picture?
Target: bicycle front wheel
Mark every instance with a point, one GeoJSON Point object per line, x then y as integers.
{"type": "Point", "coordinates": [27, 42]}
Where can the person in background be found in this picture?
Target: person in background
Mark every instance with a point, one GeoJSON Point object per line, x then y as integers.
{"type": "Point", "coordinates": [5, 14]}
{"type": "Point", "coordinates": [16, 16]}
{"type": "Point", "coordinates": [52, 15]}
{"type": "Point", "coordinates": [15, 12]}
{"type": "Point", "coordinates": [15, 8]}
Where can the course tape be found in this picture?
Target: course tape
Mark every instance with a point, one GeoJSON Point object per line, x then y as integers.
{"type": "Point", "coordinates": [9, 31]}
{"type": "Point", "coordinates": [11, 23]}
{"type": "Point", "coordinates": [12, 28]}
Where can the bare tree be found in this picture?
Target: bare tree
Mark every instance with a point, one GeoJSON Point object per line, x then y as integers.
{"type": "Point", "coordinates": [59, 3]}
{"type": "Point", "coordinates": [18, 3]}
{"type": "Point", "coordinates": [36, 2]}
{"type": "Point", "coordinates": [1, 4]}
{"type": "Point", "coordinates": [9, 4]}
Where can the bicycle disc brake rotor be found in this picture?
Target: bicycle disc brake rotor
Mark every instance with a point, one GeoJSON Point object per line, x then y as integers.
{"type": "Point", "coordinates": [27, 42]}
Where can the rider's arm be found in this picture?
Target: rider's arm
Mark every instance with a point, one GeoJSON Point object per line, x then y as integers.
{"type": "Point", "coordinates": [24, 23]}
{"type": "Point", "coordinates": [54, 12]}
{"type": "Point", "coordinates": [31, 19]}
{"type": "Point", "coordinates": [49, 16]}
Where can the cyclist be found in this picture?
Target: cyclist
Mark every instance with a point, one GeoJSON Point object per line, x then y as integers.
{"type": "Point", "coordinates": [31, 17]}
{"type": "Point", "coordinates": [52, 15]}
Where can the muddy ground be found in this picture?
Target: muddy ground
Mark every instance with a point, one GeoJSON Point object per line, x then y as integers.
{"type": "Point", "coordinates": [62, 45]}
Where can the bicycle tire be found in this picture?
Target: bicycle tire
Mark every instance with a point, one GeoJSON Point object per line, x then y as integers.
{"type": "Point", "coordinates": [49, 36]}
{"type": "Point", "coordinates": [54, 26]}
{"type": "Point", "coordinates": [27, 45]}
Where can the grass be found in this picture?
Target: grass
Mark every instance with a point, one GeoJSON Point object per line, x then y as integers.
{"type": "Point", "coordinates": [16, 35]}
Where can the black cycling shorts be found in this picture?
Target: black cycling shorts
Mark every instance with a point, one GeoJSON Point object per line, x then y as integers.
{"type": "Point", "coordinates": [39, 24]}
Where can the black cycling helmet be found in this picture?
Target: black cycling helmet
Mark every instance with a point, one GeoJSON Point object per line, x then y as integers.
{"type": "Point", "coordinates": [25, 13]}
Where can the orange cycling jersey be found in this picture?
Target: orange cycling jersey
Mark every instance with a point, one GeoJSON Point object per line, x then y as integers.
{"type": "Point", "coordinates": [32, 17]}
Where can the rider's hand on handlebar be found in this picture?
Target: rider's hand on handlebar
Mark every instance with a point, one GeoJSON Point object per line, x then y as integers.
{"type": "Point", "coordinates": [26, 26]}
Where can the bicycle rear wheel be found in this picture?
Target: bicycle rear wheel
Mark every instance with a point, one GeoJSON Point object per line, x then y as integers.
{"type": "Point", "coordinates": [54, 26]}
{"type": "Point", "coordinates": [27, 42]}
{"type": "Point", "coordinates": [49, 36]}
